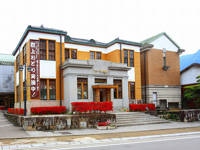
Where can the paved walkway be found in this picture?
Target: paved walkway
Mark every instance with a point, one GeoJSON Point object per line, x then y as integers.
{"type": "Point", "coordinates": [8, 130]}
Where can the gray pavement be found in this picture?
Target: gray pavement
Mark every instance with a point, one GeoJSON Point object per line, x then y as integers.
{"type": "Point", "coordinates": [7, 130]}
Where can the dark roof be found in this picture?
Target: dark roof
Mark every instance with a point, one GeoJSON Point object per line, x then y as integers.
{"type": "Point", "coordinates": [153, 38]}
{"type": "Point", "coordinates": [190, 66]}
{"type": "Point", "coordinates": [6, 59]}
{"type": "Point", "coordinates": [92, 42]}
{"type": "Point", "coordinates": [37, 29]}
{"type": "Point", "coordinates": [188, 60]}
{"type": "Point", "coordinates": [69, 39]}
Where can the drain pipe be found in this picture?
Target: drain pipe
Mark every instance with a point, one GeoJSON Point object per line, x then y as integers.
{"type": "Point", "coordinates": [60, 69]}
{"type": "Point", "coordinates": [144, 49]}
{"type": "Point", "coordinates": [120, 47]}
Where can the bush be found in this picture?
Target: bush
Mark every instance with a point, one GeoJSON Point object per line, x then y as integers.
{"type": "Point", "coordinates": [82, 107]}
{"type": "Point", "coordinates": [16, 111]}
{"type": "Point", "coordinates": [48, 110]}
{"type": "Point", "coordinates": [142, 107]}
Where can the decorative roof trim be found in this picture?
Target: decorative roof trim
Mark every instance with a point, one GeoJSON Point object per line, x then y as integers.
{"type": "Point", "coordinates": [94, 43]}
{"type": "Point", "coordinates": [37, 29]}
{"type": "Point", "coordinates": [153, 38]}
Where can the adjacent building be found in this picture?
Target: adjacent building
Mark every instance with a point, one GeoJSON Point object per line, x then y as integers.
{"type": "Point", "coordinates": [52, 68]}
{"type": "Point", "coordinates": [160, 71]}
{"type": "Point", "coordinates": [190, 68]}
{"type": "Point", "coordinates": [6, 80]}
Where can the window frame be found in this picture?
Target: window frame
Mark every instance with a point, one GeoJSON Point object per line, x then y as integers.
{"type": "Point", "coordinates": [43, 89]}
{"type": "Point", "coordinates": [95, 55]}
{"type": "Point", "coordinates": [52, 49]}
{"type": "Point", "coordinates": [118, 92]}
{"type": "Point", "coordinates": [70, 53]}
{"type": "Point", "coordinates": [43, 49]}
{"type": "Point", "coordinates": [82, 87]}
{"type": "Point", "coordinates": [128, 57]}
{"type": "Point", "coordinates": [52, 89]}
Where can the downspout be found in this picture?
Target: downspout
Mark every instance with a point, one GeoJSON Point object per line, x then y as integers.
{"type": "Point", "coordinates": [120, 47]}
{"type": "Point", "coordinates": [145, 80]}
{"type": "Point", "coordinates": [60, 70]}
{"type": "Point", "coordinates": [144, 48]}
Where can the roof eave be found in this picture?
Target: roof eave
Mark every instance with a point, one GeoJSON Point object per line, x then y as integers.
{"type": "Point", "coordinates": [36, 29]}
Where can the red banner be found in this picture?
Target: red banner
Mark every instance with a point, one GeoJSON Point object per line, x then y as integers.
{"type": "Point", "coordinates": [35, 69]}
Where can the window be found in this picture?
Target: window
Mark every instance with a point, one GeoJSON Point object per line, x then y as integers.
{"type": "Point", "coordinates": [18, 94]}
{"type": "Point", "coordinates": [129, 58]}
{"type": "Point", "coordinates": [17, 62]}
{"type": "Point", "coordinates": [67, 53]}
{"type": "Point", "coordinates": [154, 97]}
{"type": "Point", "coordinates": [126, 57]}
{"type": "Point", "coordinates": [118, 91]}
{"type": "Point", "coordinates": [43, 89]}
{"type": "Point", "coordinates": [82, 88]}
{"type": "Point", "coordinates": [43, 50]}
{"type": "Point", "coordinates": [95, 55]}
{"type": "Point", "coordinates": [24, 54]}
{"type": "Point", "coordinates": [52, 89]}
{"type": "Point", "coordinates": [131, 90]}
{"type": "Point", "coordinates": [74, 54]}
{"type": "Point", "coordinates": [70, 53]}
{"type": "Point", "coordinates": [99, 80]}
{"type": "Point", "coordinates": [51, 50]}
{"type": "Point", "coordinates": [98, 55]}
{"type": "Point", "coordinates": [92, 55]}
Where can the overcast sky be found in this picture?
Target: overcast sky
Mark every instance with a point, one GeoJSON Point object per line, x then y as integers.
{"type": "Point", "coordinates": [103, 20]}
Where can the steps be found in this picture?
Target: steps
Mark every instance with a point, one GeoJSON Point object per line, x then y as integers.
{"type": "Point", "coordinates": [136, 118]}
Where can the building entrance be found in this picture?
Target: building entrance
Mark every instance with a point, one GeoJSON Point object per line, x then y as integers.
{"type": "Point", "coordinates": [102, 93]}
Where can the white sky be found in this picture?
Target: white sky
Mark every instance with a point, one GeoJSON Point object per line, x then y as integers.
{"type": "Point", "coordinates": [103, 20]}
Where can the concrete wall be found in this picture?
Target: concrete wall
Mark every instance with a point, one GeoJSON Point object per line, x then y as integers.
{"type": "Point", "coordinates": [92, 69]}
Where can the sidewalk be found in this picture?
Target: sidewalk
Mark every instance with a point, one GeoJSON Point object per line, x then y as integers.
{"type": "Point", "coordinates": [149, 127]}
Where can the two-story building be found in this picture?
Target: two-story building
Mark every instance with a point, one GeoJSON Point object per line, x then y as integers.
{"type": "Point", "coordinates": [52, 68]}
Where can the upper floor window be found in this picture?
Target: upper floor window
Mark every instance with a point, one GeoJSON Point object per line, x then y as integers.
{"type": "Point", "coordinates": [51, 50]}
{"type": "Point", "coordinates": [92, 55]}
{"type": "Point", "coordinates": [98, 55]}
{"type": "Point", "coordinates": [70, 53]}
{"type": "Point", "coordinates": [43, 50]}
{"type": "Point", "coordinates": [24, 54]}
{"type": "Point", "coordinates": [126, 57]}
{"type": "Point", "coordinates": [17, 62]}
{"type": "Point", "coordinates": [129, 58]}
{"type": "Point", "coordinates": [95, 55]}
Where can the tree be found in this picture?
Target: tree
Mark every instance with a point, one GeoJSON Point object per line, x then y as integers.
{"type": "Point", "coordinates": [192, 95]}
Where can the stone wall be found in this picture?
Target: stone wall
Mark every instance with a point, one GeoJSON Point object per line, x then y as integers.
{"type": "Point", "coordinates": [60, 122]}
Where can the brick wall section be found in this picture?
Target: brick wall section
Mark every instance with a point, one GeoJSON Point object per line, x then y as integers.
{"type": "Point", "coordinates": [156, 75]}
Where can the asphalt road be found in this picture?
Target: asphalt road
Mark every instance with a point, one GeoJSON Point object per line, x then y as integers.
{"type": "Point", "coordinates": [179, 141]}
{"type": "Point", "coordinates": [189, 141]}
